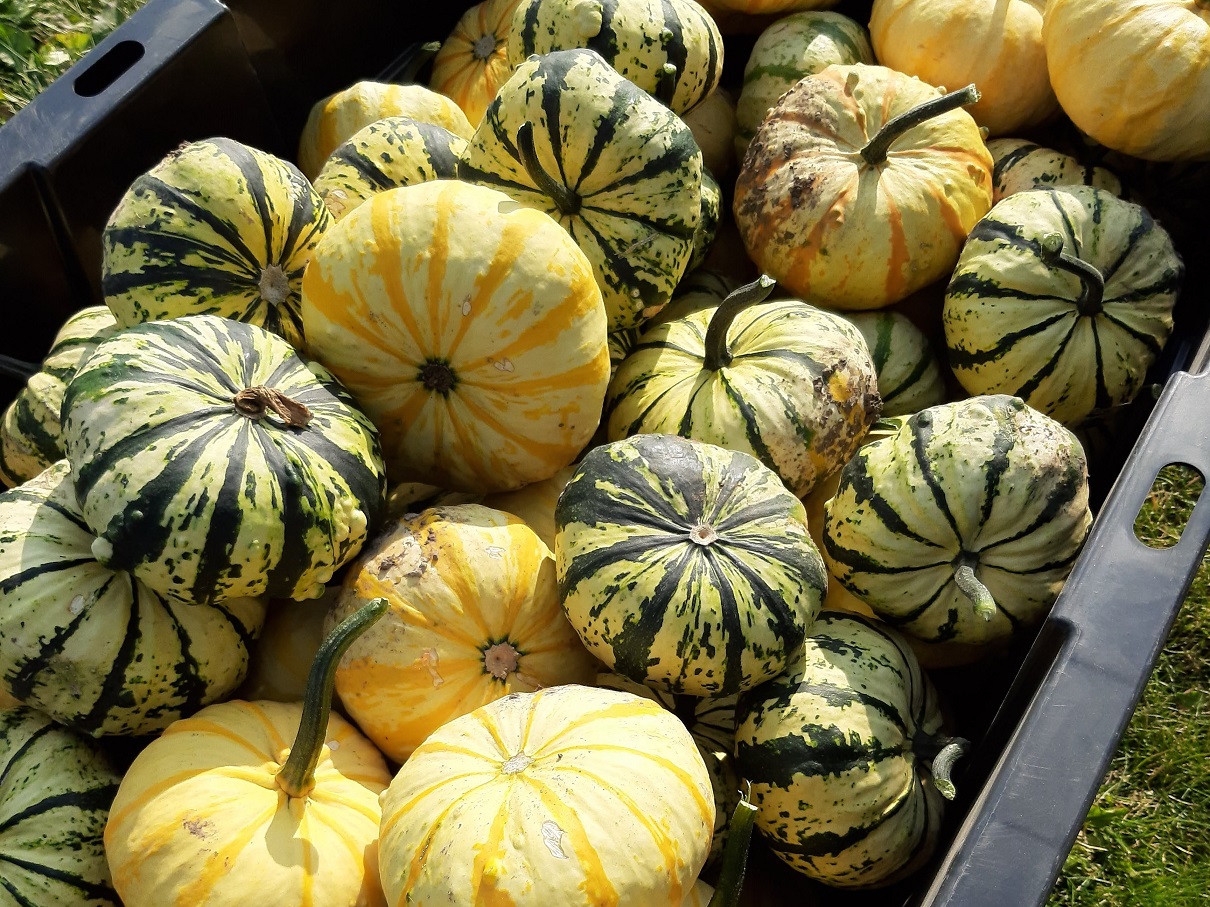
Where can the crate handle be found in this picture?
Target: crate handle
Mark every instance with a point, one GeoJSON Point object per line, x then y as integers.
{"type": "Point", "coordinates": [109, 68]}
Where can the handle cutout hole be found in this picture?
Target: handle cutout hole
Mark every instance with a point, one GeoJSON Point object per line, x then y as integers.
{"type": "Point", "coordinates": [1163, 517]}
{"type": "Point", "coordinates": [107, 70]}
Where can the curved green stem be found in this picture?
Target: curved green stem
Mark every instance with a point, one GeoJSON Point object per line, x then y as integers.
{"type": "Point", "coordinates": [735, 853]}
{"type": "Point", "coordinates": [876, 149]}
{"type": "Point", "coordinates": [717, 354]}
{"type": "Point", "coordinates": [17, 368]}
{"type": "Point", "coordinates": [566, 200]}
{"type": "Point", "coordinates": [981, 598]}
{"type": "Point", "coordinates": [953, 749]}
{"type": "Point", "coordinates": [297, 776]}
{"type": "Point", "coordinates": [665, 84]}
{"type": "Point", "coordinates": [412, 65]}
{"type": "Point", "coordinates": [1092, 282]}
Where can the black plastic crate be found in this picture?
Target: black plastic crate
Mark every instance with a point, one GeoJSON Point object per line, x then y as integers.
{"type": "Point", "coordinates": [1045, 718]}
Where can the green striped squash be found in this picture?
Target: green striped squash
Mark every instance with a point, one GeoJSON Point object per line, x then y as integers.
{"type": "Point", "coordinates": [31, 434]}
{"type": "Point", "coordinates": [216, 228]}
{"type": "Point", "coordinates": [910, 377]}
{"type": "Point", "coordinates": [708, 221]}
{"type": "Point", "coordinates": [846, 756]}
{"type": "Point", "coordinates": [1019, 164]}
{"type": "Point", "coordinates": [93, 647]}
{"type": "Point", "coordinates": [671, 49]}
{"type": "Point", "coordinates": [962, 526]}
{"type": "Point", "coordinates": [214, 462]}
{"type": "Point", "coordinates": [1064, 298]}
{"type": "Point", "coordinates": [791, 47]}
{"type": "Point", "coordinates": [55, 792]}
{"type": "Point", "coordinates": [685, 566]}
{"type": "Point", "coordinates": [391, 152]}
{"type": "Point", "coordinates": [794, 386]}
{"type": "Point", "coordinates": [618, 170]}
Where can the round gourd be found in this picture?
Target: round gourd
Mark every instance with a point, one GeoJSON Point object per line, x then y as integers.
{"type": "Point", "coordinates": [93, 647]}
{"type": "Point", "coordinates": [909, 373]}
{"type": "Point", "coordinates": [31, 432]}
{"type": "Point", "coordinates": [620, 344]}
{"type": "Point", "coordinates": [618, 170]}
{"type": "Point", "coordinates": [222, 807]}
{"type": "Point", "coordinates": [1064, 298]}
{"type": "Point", "coordinates": [1134, 74]}
{"type": "Point", "coordinates": [713, 125]}
{"type": "Point", "coordinates": [963, 525]}
{"type": "Point", "coordinates": [845, 755]}
{"type": "Point", "coordinates": [997, 44]}
{"type": "Point", "coordinates": [55, 792]}
{"type": "Point", "coordinates": [708, 221]}
{"type": "Point", "coordinates": [215, 228]}
{"type": "Point", "coordinates": [213, 461]}
{"type": "Point", "coordinates": [1019, 164]}
{"type": "Point", "coordinates": [468, 327]}
{"type": "Point", "coordinates": [472, 62]}
{"type": "Point", "coordinates": [474, 616]}
{"type": "Point", "coordinates": [794, 386]}
{"type": "Point", "coordinates": [571, 795]}
{"type": "Point", "coordinates": [335, 119]}
{"type": "Point", "coordinates": [685, 566]}
{"type": "Point", "coordinates": [793, 47]}
{"type": "Point", "coordinates": [861, 186]}
{"type": "Point", "coordinates": [671, 49]}
{"type": "Point", "coordinates": [391, 152]}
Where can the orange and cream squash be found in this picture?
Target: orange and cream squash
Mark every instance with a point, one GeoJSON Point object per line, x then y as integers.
{"type": "Point", "coordinates": [472, 62]}
{"type": "Point", "coordinates": [469, 328]}
{"type": "Point", "coordinates": [570, 796]}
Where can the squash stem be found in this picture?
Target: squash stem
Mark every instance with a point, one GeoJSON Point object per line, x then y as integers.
{"type": "Point", "coordinates": [735, 853]}
{"type": "Point", "coordinates": [941, 753]}
{"type": "Point", "coordinates": [1092, 282]}
{"type": "Point", "coordinates": [256, 402]}
{"type": "Point", "coordinates": [717, 354]}
{"type": "Point", "coordinates": [416, 57]}
{"type": "Point", "coordinates": [297, 776]}
{"type": "Point", "coordinates": [981, 598]}
{"type": "Point", "coordinates": [876, 149]}
{"type": "Point", "coordinates": [566, 200]}
{"type": "Point", "coordinates": [665, 84]}
{"type": "Point", "coordinates": [17, 368]}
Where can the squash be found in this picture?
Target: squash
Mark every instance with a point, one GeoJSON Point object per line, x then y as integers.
{"type": "Point", "coordinates": [472, 62]}
{"type": "Point", "coordinates": [997, 44]}
{"type": "Point", "coordinates": [671, 49]}
{"type": "Point", "coordinates": [334, 120]}
{"type": "Point", "coordinates": [1064, 298]}
{"type": "Point", "coordinates": [861, 186]}
{"type": "Point", "coordinates": [215, 228]}
{"type": "Point", "coordinates": [283, 654]}
{"type": "Point", "coordinates": [222, 805]}
{"type": "Point", "coordinates": [474, 616]}
{"type": "Point", "coordinates": [753, 9]}
{"type": "Point", "coordinates": [469, 328]}
{"type": "Point", "coordinates": [570, 795]}
{"type": "Point", "coordinates": [93, 647]}
{"type": "Point", "coordinates": [31, 433]}
{"type": "Point", "coordinates": [685, 566]}
{"type": "Point", "coordinates": [1019, 164]}
{"type": "Point", "coordinates": [391, 152]}
{"type": "Point", "coordinates": [535, 504]}
{"type": "Point", "coordinates": [846, 756]}
{"type": "Point", "coordinates": [708, 221]}
{"type": "Point", "coordinates": [55, 792]}
{"type": "Point", "coordinates": [910, 377]}
{"type": "Point", "coordinates": [794, 387]}
{"type": "Point", "coordinates": [713, 125]}
{"type": "Point", "coordinates": [1134, 74]}
{"type": "Point", "coordinates": [963, 525]}
{"type": "Point", "coordinates": [214, 462]}
{"type": "Point", "coordinates": [793, 47]}
{"type": "Point", "coordinates": [618, 170]}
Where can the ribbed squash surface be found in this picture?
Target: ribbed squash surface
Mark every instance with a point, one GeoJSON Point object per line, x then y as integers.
{"type": "Point", "coordinates": [472, 62]}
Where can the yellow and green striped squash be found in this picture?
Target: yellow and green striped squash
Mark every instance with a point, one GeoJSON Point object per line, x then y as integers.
{"type": "Point", "coordinates": [391, 152]}
{"type": "Point", "coordinates": [910, 376]}
{"type": "Point", "coordinates": [618, 170]}
{"type": "Point", "coordinates": [475, 615]}
{"type": "Point", "coordinates": [31, 433]}
{"type": "Point", "coordinates": [671, 49]}
{"type": "Point", "coordinates": [839, 751]}
{"type": "Point", "coordinates": [685, 566]}
{"type": "Point", "coordinates": [963, 525]}
{"type": "Point", "coordinates": [571, 795]}
{"type": "Point", "coordinates": [213, 461]}
{"type": "Point", "coordinates": [1062, 297]}
{"type": "Point", "coordinates": [468, 327]}
{"type": "Point", "coordinates": [93, 647]}
{"type": "Point", "coordinates": [708, 221]}
{"type": "Point", "coordinates": [55, 792]}
{"type": "Point", "coordinates": [215, 228]}
{"type": "Point", "coordinates": [472, 62]}
{"type": "Point", "coordinates": [1019, 164]}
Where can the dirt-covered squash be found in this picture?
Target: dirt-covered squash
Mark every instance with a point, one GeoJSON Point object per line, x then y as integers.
{"type": "Point", "coordinates": [213, 461]}
{"type": "Point", "coordinates": [472, 62]}
{"type": "Point", "coordinates": [216, 227]}
{"type": "Point", "coordinates": [1019, 164]}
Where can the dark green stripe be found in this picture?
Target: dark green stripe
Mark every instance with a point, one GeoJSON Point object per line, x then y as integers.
{"type": "Point", "coordinates": [14, 759]}
{"type": "Point", "coordinates": [675, 50]}
{"type": "Point", "coordinates": [963, 358]}
{"type": "Point", "coordinates": [95, 799]}
{"type": "Point", "coordinates": [1047, 368]}
{"type": "Point", "coordinates": [832, 844]}
{"type": "Point", "coordinates": [632, 644]}
{"type": "Point", "coordinates": [257, 192]}
{"type": "Point", "coordinates": [89, 889]}
{"type": "Point", "coordinates": [1011, 160]}
{"type": "Point", "coordinates": [815, 751]}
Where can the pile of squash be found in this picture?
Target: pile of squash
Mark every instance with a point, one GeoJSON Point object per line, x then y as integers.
{"type": "Point", "coordinates": [621, 442]}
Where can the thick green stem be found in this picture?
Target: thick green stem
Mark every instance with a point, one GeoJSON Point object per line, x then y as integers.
{"type": "Point", "coordinates": [566, 200]}
{"type": "Point", "coordinates": [17, 368]}
{"type": "Point", "coordinates": [876, 149]}
{"type": "Point", "coordinates": [952, 749]}
{"type": "Point", "coordinates": [981, 598]}
{"type": "Point", "coordinates": [665, 84]}
{"type": "Point", "coordinates": [297, 776]}
{"type": "Point", "coordinates": [735, 854]}
{"type": "Point", "coordinates": [717, 354]}
{"type": "Point", "coordinates": [1092, 283]}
